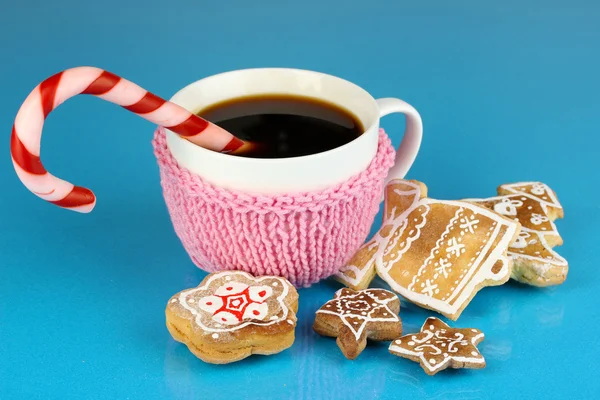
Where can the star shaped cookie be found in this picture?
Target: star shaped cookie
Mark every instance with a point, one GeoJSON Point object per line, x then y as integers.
{"type": "Point", "coordinates": [438, 346]}
{"type": "Point", "coordinates": [353, 317]}
{"type": "Point", "coordinates": [435, 253]}
{"type": "Point", "coordinates": [535, 206]}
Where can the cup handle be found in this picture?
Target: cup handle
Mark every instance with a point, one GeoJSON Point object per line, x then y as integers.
{"type": "Point", "coordinates": [409, 147]}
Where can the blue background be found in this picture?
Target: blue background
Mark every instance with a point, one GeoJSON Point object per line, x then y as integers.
{"type": "Point", "coordinates": [508, 91]}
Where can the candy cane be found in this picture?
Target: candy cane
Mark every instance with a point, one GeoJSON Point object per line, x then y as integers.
{"type": "Point", "coordinates": [27, 129]}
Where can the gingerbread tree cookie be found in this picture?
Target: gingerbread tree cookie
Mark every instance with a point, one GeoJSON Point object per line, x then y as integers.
{"type": "Point", "coordinates": [353, 317]}
{"type": "Point", "coordinates": [435, 253]}
{"type": "Point", "coordinates": [232, 315]}
{"type": "Point", "coordinates": [439, 346]}
{"type": "Point", "coordinates": [535, 206]}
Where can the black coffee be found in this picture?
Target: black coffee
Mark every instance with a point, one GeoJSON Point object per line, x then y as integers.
{"type": "Point", "coordinates": [284, 125]}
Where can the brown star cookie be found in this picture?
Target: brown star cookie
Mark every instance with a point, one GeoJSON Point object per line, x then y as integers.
{"type": "Point", "coordinates": [353, 317]}
{"type": "Point", "coordinates": [435, 253]}
{"type": "Point", "coordinates": [535, 206]}
{"type": "Point", "coordinates": [232, 315]}
{"type": "Point", "coordinates": [437, 347]}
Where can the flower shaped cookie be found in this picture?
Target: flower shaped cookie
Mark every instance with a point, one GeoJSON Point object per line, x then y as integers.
{"type": "Point", "coordinates": [232, 315]}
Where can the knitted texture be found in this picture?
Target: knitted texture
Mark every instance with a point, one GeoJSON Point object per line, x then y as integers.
{"type": "Point", "coordinates": [302, 237]}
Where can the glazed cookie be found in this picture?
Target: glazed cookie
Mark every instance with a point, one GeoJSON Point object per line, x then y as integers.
{"type": "Point", "coordinates": [353, 317]}
{"type": "Point", "coordinates": [437, 254]}
{"type": "Point", "coordinates": [232, 315]}
{"type": "Point", "coordinates": [438, 347]}
{"type": "Point", "coordinates": [535, 206]}
{"type": "Point", "coordinates": [360, 270]}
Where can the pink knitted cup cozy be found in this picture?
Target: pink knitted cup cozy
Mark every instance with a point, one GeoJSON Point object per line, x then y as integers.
{"type": "Point", "coordinates": [302, 237]}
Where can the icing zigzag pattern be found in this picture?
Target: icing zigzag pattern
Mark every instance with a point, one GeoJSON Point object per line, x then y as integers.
{"type": "Point", "coordinates": [535, 206]}
{"type": "Point", "coordinates": [435, 253]}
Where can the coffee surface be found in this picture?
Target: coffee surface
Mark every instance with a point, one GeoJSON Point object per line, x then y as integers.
{"type": "Point", "coordinates": [285, 125]}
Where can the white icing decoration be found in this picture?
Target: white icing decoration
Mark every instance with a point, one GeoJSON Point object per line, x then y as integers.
{"type": "Point", "coordinates": [546, 264]}
{"type": "Point", "coordinates": [507, 207]}
{"type": "Point", "coordinates": [409, 241]}
{"type": "Point", "coordinates": [520, 188]}
{"type": "Point", "coordinates": [340, 301]}
{"type": "Point", "coordinates": [225, 318]}
{"type": "Point", "coordinates": [210, 324]}
{"type": "Point", "coordinates": [538, 219]}
{"type": "Point", "coordinates": [427, 261]}
{"type": "Point", "coordinates": [454, 248]}
{"type": "Point", "coordinates": [552, 264]}
{"type": "Point", "coordinates": [538, 189]}
{"type": "Point", "coordinates": [479, 268]}
{"type": "Point", "coordinates": [260, 293]}
{"type": "Point", "coordinates": [215, 335]}
{"type": "Point", "coordinates": [429, 288]}
{"type": "Point", "coordinates": [521, 241]}
{"type": "Point", "coordinates": [232, 287]}
{"type": "Point", "coordinates": [398, 225]}
{"type": "Point", "coordinates": [469, 224]}
{"type": "Point", "coordinates": [256, 311]}
{"type": "Point", "coordinates": [434, 341]}
{"type": "Point", "coordinates": [210, 304]}
{"type": "Point", "coordinates": [479, 271]}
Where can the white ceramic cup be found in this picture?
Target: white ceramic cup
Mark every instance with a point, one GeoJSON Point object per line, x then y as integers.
{"type": "Point", "coordinates": [296, 174]}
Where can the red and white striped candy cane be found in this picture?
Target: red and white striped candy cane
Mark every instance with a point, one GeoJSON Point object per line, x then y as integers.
{"type": "Point", "coordinates": [27, 129]}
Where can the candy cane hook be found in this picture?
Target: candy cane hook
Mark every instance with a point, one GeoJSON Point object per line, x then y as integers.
{"type": "Point", "coordinates": [27, 129]}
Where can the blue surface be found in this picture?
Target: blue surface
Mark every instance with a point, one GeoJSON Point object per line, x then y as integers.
{"type": "Point", "coordinates": [507, 90]}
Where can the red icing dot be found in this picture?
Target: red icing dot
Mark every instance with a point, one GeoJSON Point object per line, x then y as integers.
{"type": "Point", "coordinates": [229, 288]}
{"type": "Point", "coordinates": [255, 312]}
{"type": "Point", "coordinates": [224, 319]}
{"type": "Point", "coordinates": [261, 294]}
{"type": "Point", "coordinates": [209, 303]}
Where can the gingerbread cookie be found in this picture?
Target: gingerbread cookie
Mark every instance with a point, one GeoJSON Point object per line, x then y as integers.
{"type": "Point", "coordinates": [535, 206]}
{"type": "Point", "coordinates": [437, 254]}
{"type": "Point", "coordinates": [232, 315]}
{"type": "Point", "coordinates": [360, 270]}
{"type": "Point", "coordinates": [437, 347]}
{"type": "Point", "coordinates": [353, 317]}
